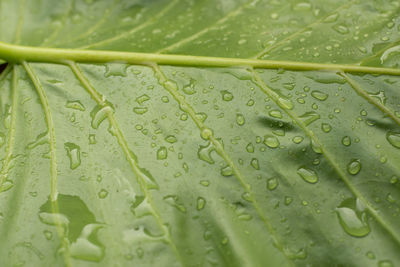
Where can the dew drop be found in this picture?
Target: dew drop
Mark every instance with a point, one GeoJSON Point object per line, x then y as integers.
{"type": "Point", "coordinates": [354, 166]}
{"type": "Point", "coordinates": [353, 218]}
{"type": "Point", "coordinates": [201, 202]}
{"type": "Point", "coordinates": [92, 139]}
{"type": "Point", "coordinates": [204, 153]}
{"type": "Point", "coordinates": [319, 95]}
{"type": "Point", "coordinates": [326, 127]}
{"type": "Point", "coordinates": [272, 183]}
{"type": "Point", "coordinates": [74, 155]}
{"type": "Point", "coordinates": [141, 99]}
{"type": "Point", "coordinates": [99, 114]}
{"type": "Point", "coordinates": [226, 95]}
{"type": "Point", "coordinates": [393, 138]}
{"type": "Point", "coordinates": [227, 171]}
{"type": "Point", "coordinates": [189, 88]}
{"type": "Point", "coordinates": [271, 141]}
{"type": "Point", "coordinates": [309, 117]}
{"type": "Point", "coordinates": [308, 175]}
{"type": "Point", "coordinates": [140, 110]}
{"type": "Point", "coordinates": [171, 139]}
{"type": "Point", "coordinates": [75, 105]}
{"type": "Point", "coordinates": [346, 141]}
{"type": "Point", "coordinates": [275, 113]}
{"type": "Point", "coordinates": [385, 263]}
{"type": "Point", "coordinates": [103, 193]}
{"type": "Point", "coordinates": [250, 148]}
{"type": "Point", "coordinates": [162, 153]}
{"type": "Point", "coordinates": [297, 139]}
{"type": "Point", "coordinates": [240, 119]}
{"type": "Point", "coordinates": [254, 163]}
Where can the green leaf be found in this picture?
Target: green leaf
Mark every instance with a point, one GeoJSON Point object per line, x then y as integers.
{"type": "Point", "coordinates": [200, 133]}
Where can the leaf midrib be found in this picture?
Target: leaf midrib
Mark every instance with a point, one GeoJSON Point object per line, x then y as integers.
{"type": "Point", "coordinates": [17, 54]}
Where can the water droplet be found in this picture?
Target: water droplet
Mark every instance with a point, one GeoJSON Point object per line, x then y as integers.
{"type": "Point", "coordinates": [326, 127]}
{"type": "Point", "coordinates": [92, 139]}
{"type": "Point", "coordinates": [353, 218]}
{"type": "Point", "coordinates": [385, 263]}
{"type": "Point", "coordinates": [316, 147]}
{"type": "Point", "coordinates": [297, 139]}
{"type": "Point", "coordinates": [394, 179]}
{"type": "Point", "coordinates": [272, 183]}
{"type": "Point", "coordinates": [341, 29]}
{"type": "Point", "coordinates": [331, 18]}
{"type": "Point", "coordinates": [393, 138]}
{"type": "Point", "coordinates": [390, 198]}
{"type": "Point", "coordinates": [250, 148]}
{"type": "Point", "coordinates": [254, 163]}
{"type": "Point", "coordinates": [246, 196]}
{"type": "Point", "coordinates": [226, 95]}
{"type": "Point", "coordinates": [285, 103]}
{"type": "Point", "coordinates": [103, 193]}
{"type": "Point", "coordinates": [204, 153]}
{"type": "Point", "coordinates": [115, 69]}
{"type": "Point", "coordinates": [201, 202]}
{"type": "Point", "coordinates": [99, 114]}
{"type": "Point", "coordinates": [275, 113]}
{"type": "Point", "coordinates": [271, 141]}
{"type": "Point", "coordinates": [206, 133]}
{"type": "Point", "coordinates": [308, 175]}
{"type": "Point", "coordinates": [140, 110]}
{"type": "Point", "coordinates": [171, 139]}
{"type": "Point", "coordinates": [74, 155]}
{"type": "Point", "coordinates": [141, 99]}
{"type": "Point", "coordinates": [227, 171]}
{"type": "Point", "coordinates": [354, 166]}
{"type": "Point", "coordinates": [6, 185]}
{"type": "Point", "coordinates": [205, 183]}
{"type": "Point", "coordinates": [240, 119]}
{"type": "Point", "coordinates": [370, 255]}
{"type": "Point", "coordinates": [189, 88]}
{"type": "Point", "coordinates": [162, 153]}
{"type": "Point", "coordinates": [288, 200]}
{"type": "Point", "coordinates": [309, 117]}
{"type": "Point", "coordinates": [319, 95]}
{"type": "Point", "coordinates": [201, 116]}
{"type": "Point", "coordinates": [75, 105]}
{"type": "Point", "coordinates": [346, 140]}
{"type": "Point", "coordinates": [380, 96]}
{"type": "Point", "coordinates": [48, 234]}
{"type": "Point", "coordinates": [173, 201]}
{"type": "Point", "coordinates": [79, 225]}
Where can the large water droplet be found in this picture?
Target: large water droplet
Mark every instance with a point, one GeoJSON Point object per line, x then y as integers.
{"type": "Point", "coordinates": [354, 166]}
{"type": "Point", "coordinates": [393, 138]}
{"type": "Point", "coordinates": [271, 141]}
{"type": "Point", "coordinates": [272, 183]}
{"type": "Point", "coordinates": [353, 218]}
{"type": "Point", "coordinates": [204, 153]}
{"type": "Point", "coordinates": [319, 95]}
{"type": "Point", "coordinates": [189, 88]}
{"type": "Point", "coordinates": [74, 154]}
{"type": "Point", "coordinates": [226, 95]}
{"type": "Point", "coordinates": [309, 117]}
{"type": "Point", "coordinates": [308, 175]}
{"type": "Point", "coordinates": [227, 171]}
{"type": "Point", "coordinates": [254, 163]}
{"type": "Point", "coordinates": [75, 105]}
{"type": "Point", "coordinates": [99, 114]}
{"type": "Point", "coordinates": [162, 153]}
{"type": "Point", "coordinates": [346, 140]}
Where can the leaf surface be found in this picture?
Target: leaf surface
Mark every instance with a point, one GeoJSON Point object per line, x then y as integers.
{"type": "Point", "coordinates": [252, 151]}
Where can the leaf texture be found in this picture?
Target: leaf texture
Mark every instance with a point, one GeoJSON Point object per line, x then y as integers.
{"type": "Point", "coordinates": [118, 164]}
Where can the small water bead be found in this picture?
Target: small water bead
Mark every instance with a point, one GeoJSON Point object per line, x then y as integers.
{"type": "Point", "coordinates": [201, 116]}
{"type": "Point", "coordinates": [92, 139]}
{"type": "Point", "coordinates": [255, 164]}
{"type": "Point", "coordinates": [250, 103]}
{"type": "Point", "coordinates": [288, 200]}
{"type": "Point", "coordinates": [346, 140]}
{"type": "Point", "coordinates": [319, 95]}
{"type": "Point", "coordinates": [227, 171]}
{"type": "Point", "coordinates": [204, 153]}
{"type": "Point", "coordinates": [308, 175]}
{"type": "Point", "coordinates": [73, 153]}
{"type": "Point", "coordinates": [103, 193]}
{"type": "Point", "coordinates": [189, 88]}
{"type": "Point", "coordinates": [279, 132]}
{"type": "Point", "coordinates": [201, 203]}
{"type": "Point", "coordinates": [272, 183]}
{"type": "Point", "coordinates": [6, 185]}
{"type": "Point", "coordinates": [140, 110]}
{"type": "Point", "coordinates": [250, 148]}
{"type": "Point", "coordinates": [341, 29]}
{"type": "Point", "coordinates": [76, 104]}
{"type": "Point", "coordinates": [354, 166]}
{"type": "Point", "coordinates": [226, 95]}
{"type": "Point", "coordinates": [385, 263]}
{"type": "Point", "coordinates": [141, 99]}
{"type": "Point", "coordinates": [390, 198]}
{"type": "Point", "coordinates": [48, 234]}
{"type": "Point", "coordinates": [162, 153]}
{"type": "Point", "coordinates": [297, 139]}
{"type": "Point", "coordinates": [275, 113]}
{"type": "Point", "coordinates": [171, 139]}
{"type": "Point", "coordinates": [271, 141]}
{"type": "Point", "coordinates": [285, 103]}
{"type": "Point", "coordinates": [393, 138]}
{"type": "Point", "coordinates": [370, 255]}
{"type": "Point", "coordinates": [246, 196]}
{"type": "Point", "coordinates": [353, 218]}
{"type": "Point", "coordinates": [205, 183]}
{"type": "Point", "coordinates": [394, 179]}
{"type": "Point", "coordinates": [165, 99]}
{"type": "Point", "coordinates": [240, 120]}
{"type": "Point", "coordinates": [326, 127]}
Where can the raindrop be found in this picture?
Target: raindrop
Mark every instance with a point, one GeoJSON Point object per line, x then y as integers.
{"type": "Point", "coordinates": [227, 171]}
{"type": "Point", "coordinates": [99, 114]}
{"type": "Point", "coordinates": [271, 141]}
{"type": "Point", "coordinates": [326, 127]}
{"type": "Point", "coordinates": [201, 202]}
{"type": "Point", "coordinates": [319, 95]}
{"type": "Point", "coordinates": [309, 117]}
{"type": "Point", "coordinates": [308, 175]}
{"type": "Point", "coordinates": [226, 95]}
{"type": "Point", "coordinates": [353, 218]}
{"type": "Point", "coordinates": [103, 193]}
{"type": "Point", "coordinates": [140, 110]}
{"type": "Point", "coordinates": [240, 119]}
{"type": "Point", "coordinates": [204, 153]}
{"type": "Point", "coordinates": [74, 155]}
{"type": "Point", "coordinates": [354, 166]}
{"type": "Point", "coordinates": [272, 183]}
{"type": "Point", "coordinates": [189, 88]}
{"type": "Point", "coordinates": [346, 140]}
{"type": "Point", "coordinates": [162, 153]}
{"type": "Point", "coordinates": [171, 139]}
{"type": "Point", "coordinates": [254, 163]}
{"type": "Point", "coordinates": [250, 148]}
{"type": "Point", "coordinates": [143, 98]}
{"type": "Point", "coordinates": [297, 139]}
{"type": "Point", "coordinates": [393, 138]}
{"type": "Point", "coordinates": [275, 113]}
